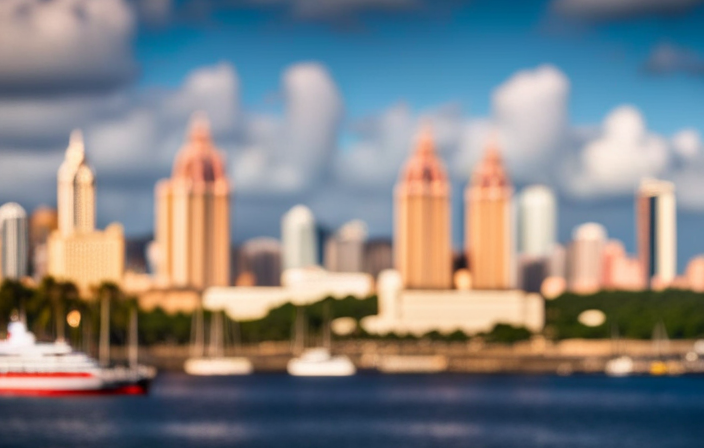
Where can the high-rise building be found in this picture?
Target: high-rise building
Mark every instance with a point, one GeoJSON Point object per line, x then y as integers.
{"type": "Point", "coordinates": [76, 251]}
{"type": "Point", "coordinates": [489, 221]}
{"type": "Point", "coordinates": [299, 238]}
{"type": "Point", "coordinates": [537, 218]}
{"type": "Point", "coordinates": [193, 215]}
{"type": "Point", "coordinates": [344, 251]}
{"type": "Point", "coordinates": [42, 222]}
{"type": "Point", "coordinates": [586, 258]}
{"type": "Point", "coordinates": [261, 258]}
{"type": "Point", "coordinates": [378, 256]}
{"type": "Point", "coordinates": [656, 227]}
{"type": "Point", "coordinates": [13, 241]}
{"type": "Point", "coordinates": [422, 229]}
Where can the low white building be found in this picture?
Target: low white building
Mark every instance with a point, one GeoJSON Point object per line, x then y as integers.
{"type": "Point", "coordinates": [299, 286]}
{"type": "Point", "coordinates": [471, 311]}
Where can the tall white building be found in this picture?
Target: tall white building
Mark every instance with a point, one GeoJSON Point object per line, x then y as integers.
{"type": "Point", "coordinates": [656, 226]}
{"type": "Point", "coordinates": [14, 240]}
{"type": "Point", "coordinates": [299, 239]}
{"type": "Point", "coordinates": [586, 253]}
{"type": "Point", "coordinates": [537, 212]}
{"type": "Point", "coordinates": [344, 251]}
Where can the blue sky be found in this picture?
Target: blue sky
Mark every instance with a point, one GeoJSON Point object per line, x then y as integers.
{"type": "Point", "coordinates": [551, 77]}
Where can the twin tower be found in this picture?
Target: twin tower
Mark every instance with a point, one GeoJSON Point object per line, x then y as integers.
{"type": "Point", "coordinates": [423, 217]}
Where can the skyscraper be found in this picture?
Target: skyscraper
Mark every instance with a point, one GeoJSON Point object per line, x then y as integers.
{"type": "Point", "coordinates": [536, 221]}
{"type": "Point", "coordinates": [13, 241]}
{"type": "Point", "coordinates": [261, 257]}
{"type": "Point", "coordinates": [489, 221]}
{"type": "Point", "coordinates": [193, 215]}
{"type": "Point", "coordinates": [76, 251]}
{"type": "Point", "coordinates": [344, 251]}
{"type": "Point", "coordinates": [299, 238]}
{"type": "Point", "coordinates": [422, 229]}
{"type": "Point", "coordinates": [656, 228]}
{"type": "Point", "coordinates": [586, 258]}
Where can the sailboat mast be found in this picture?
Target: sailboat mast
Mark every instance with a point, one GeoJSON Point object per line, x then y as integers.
{"type": "Point", "coordinates": [104, 349]}
{"type": "Point", "coordinates": [133, 340]}
{"type": "Point", "coordinates": [327, 336]}
{"type": "Point", "coordinates": [299, 335]}
{"type": "Point", "coordinates": [216, 336]}
{"type": "Point", "coordinates": [197, 342]}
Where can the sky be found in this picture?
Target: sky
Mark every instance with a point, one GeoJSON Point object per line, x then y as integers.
{"type": "Point", "coordinates": [319, 101]}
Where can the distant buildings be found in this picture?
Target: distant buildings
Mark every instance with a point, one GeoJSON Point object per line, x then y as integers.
{"type": "Point", "coordinates": [13, 242]}
{"type": "Point", "coordinates": [345, 250]}
{"type": "Point", "coordinates": [299, 238]}
{"type": "Point", "coordinates": [77, 252]}
{"type": "Point", "coordinates": [585, 259]}
{"type": "Point", "coordinates": [42, 222]}
{"type": "Point", "coordinates": [193, 215]}
{"type": "Point", "coordinates": [260, 258]}
{"type": "Point", "coordinates": [656, 230]}
{"type": "Point", "coordinates": [489, 223]}
{"type": "Point", "coordinates": [537, 221]}
{"type": "Point", "coordinates": [422, 222]}
{"type": "Point", "coordinates": [378, 256]}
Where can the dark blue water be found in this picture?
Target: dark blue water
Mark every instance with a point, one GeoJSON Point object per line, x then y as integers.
{"type": "Point", "coordinates": [371, 411]}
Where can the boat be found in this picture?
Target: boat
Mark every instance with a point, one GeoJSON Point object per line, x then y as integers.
{"type": "Point", "coordinates": [412, 363]}
{"type": "Point", "coordinates": [28, 367]}
{"type": "Point", "coordinates": [318, 361]}
{"type": "Point", "coordinates": [214, 363]}
{"type": "Point", "coordinates": [619, 366]}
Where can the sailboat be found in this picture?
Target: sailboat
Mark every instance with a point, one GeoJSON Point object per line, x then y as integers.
{"type": "Point", "coordinates": [318, 361]}
{"type": "Point", "coordinates": [214, 362]}
{"type": "Point", "coordinates": [621, 365]}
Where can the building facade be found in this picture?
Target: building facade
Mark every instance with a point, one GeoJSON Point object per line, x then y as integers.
{"type": "Point", "coordinates": [43, 221]}
{"type": "Point", "coordinates": [344, 251]}
{"type": "Point", "coordinates": [299, 238]}
{"type": "Point", "coordinates": [193, 215]}
{"type": "Point", "coordinates": [13, 242]}
{"type": "Point", "coordinates": [656, 230]}
{"type": "Point", "coordinates": [586, 270]}
{"type": "Point", "coordinates": [422, 228]}
{"type": "Point", "coordinates": [537, 221]}
{"type": "Point", "coordinates": [489, 221]}
{"type": "Point", "coordinates": [77, 252]}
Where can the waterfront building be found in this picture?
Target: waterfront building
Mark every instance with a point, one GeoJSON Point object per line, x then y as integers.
{"type": "Point", "coordinates": [417, 312]}
{"type": "Point", "coordinates": [77, 252]}
{"type": "Point", "coordinates": [192, 226]}
{"type": "Point", "coordinates": [422, 227]}
{"type": "Point", "coordinates": [344, 251]}
{"type": "Point", "coordinates": [489, 223]}
{"type": "Point", "coordinates": [537, 221]}
{"type": "Point", "coordinates": [656, 229]}
{"type": "Point", "coordinates": [42, 222]}
{"type": "Point", "coordinates": [585, 258]}
{"type": "Point", "coordinates": [261, 258]}
{"type": "Point", "coordinates": [13, 242]}
{"type": "Point", "coordinates": [299, 238]}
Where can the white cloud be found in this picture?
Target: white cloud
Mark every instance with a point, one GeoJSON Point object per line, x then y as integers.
{"type": "Point", "coordinates": [616, 161]}
{"type": "Point", "coordinates": [687, 143]}
{"type": "Point", "coordinates": [59, 45]}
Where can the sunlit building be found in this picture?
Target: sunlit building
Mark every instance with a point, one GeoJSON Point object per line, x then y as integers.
{"type": "Point", "coordinates": [422, 228]}
{"type": "Point", "coordinates": [489, 223]}
{"type": "Point", "coordinates": [585, 258]}
{"type": "Point", "coordinates": [77, 252]}
{"type": "Point", "coordinates": [299, 238]}
{"type": "Point", "coordinates": [193, 215]}
{"type": "Point", "coordinates": [656, 227]}
{"type": "Point", "coordinates": [13, 242]}
{"type": "Point", "coordinates": [619, 271]}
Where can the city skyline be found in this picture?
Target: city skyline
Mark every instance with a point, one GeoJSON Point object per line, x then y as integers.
{"type": "Point", "coordinates": [616, 74]}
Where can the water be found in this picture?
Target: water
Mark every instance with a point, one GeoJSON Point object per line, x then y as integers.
{"type": "Point", "coordinates": [371, 411]}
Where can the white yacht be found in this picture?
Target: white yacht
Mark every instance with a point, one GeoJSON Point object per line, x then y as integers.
{"type": "Point", "coordinates": [620, 366]}
{"type": "Point", "coordinates": [31, 368]}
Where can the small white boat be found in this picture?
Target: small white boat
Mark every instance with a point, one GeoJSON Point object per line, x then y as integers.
{"type": "Point", "coordinates": [621, 366]}
{"type": "Point", "coordinates": [319, 362]}
{"type": "Point", "coordinates": [215, 363]}
{"type": "Point", "coordinates": [218, 366]}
